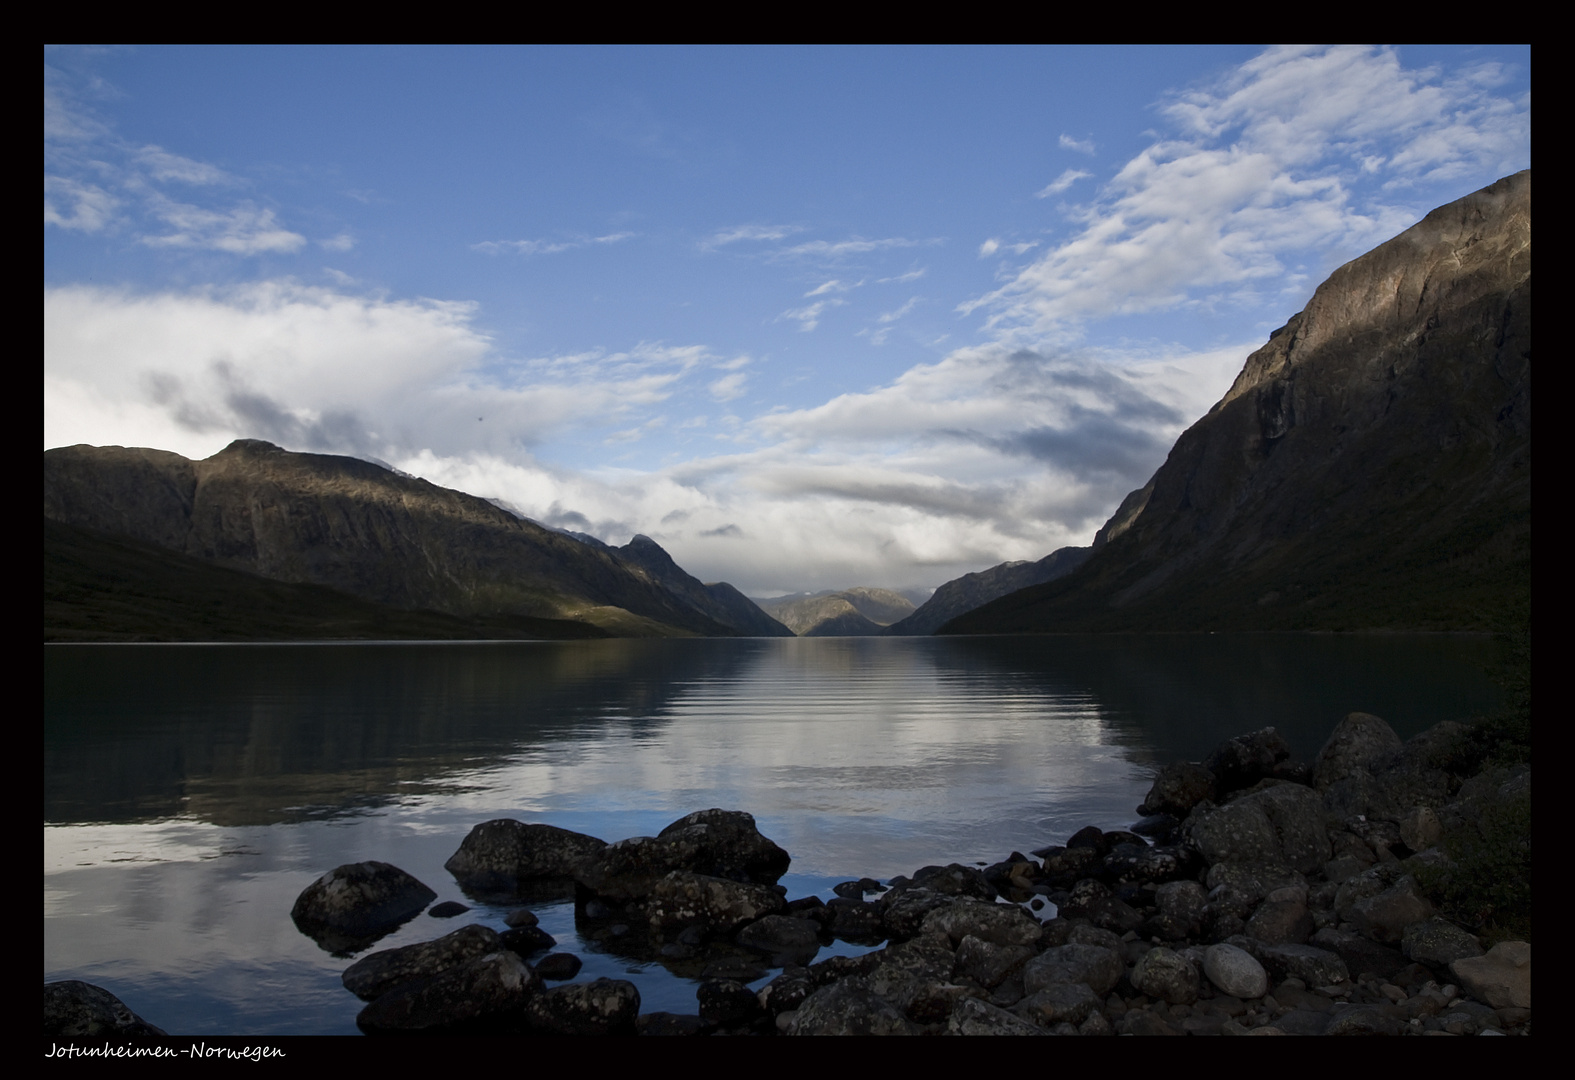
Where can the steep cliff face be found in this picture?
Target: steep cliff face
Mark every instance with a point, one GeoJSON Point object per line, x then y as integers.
{"type": "Point", "coordinates": [1369, 468]}
{"type": "Point", "coordinates": [374, 534]}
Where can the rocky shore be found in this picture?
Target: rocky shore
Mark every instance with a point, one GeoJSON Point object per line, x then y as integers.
{"type": "Point", "coordinates": [1256, 896]}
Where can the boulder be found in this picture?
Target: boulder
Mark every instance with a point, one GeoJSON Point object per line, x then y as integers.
{"type": "Point", "coordinates": [508, 856]}
{"type": "Point", "coordinates": [603, 1007]}
{"type": "Point", "coordinates": [352, 905]}
{"type": "Point", "coordinates": [374, 975]}
{"type": "Point", "coordinates": [1360, 743]}
{"type": "Point", "coordinates": [1167, 975]}
{"type": "Point", "coordinates": [80, 1010]}
{"type": "Point", "coordinates": [1235, 971]}
{"type": "Point", "coordinates": [1094, 966]}
{"type": "Point", "coordinates": [1501, 976]}
{"type": "Point", "coordinates": [848, 1008]}
{"type": "Point", "coordinates": [719, 905]}
{"type": "Point", "coordinates": [1178, 788]}
{"type": "Point", "coordinates": [489, 989]}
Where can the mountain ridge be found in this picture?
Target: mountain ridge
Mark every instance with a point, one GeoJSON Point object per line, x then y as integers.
{"type": "Point", "coordinates": [1369, 468]}
{"type": "Point", "coordinates": [379, 536]}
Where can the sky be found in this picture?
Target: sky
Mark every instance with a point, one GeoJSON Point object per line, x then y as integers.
{"type": "Point", "coordinates": [810, 318]}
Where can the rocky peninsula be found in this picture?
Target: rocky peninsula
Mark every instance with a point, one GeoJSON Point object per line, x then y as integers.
{"type": "Point", "coordinates": [1371, 891]}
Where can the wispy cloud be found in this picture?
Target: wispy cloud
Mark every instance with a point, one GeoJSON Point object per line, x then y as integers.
{"type": "Point", "coordinates": [1250, 175]}
{"type": "Point", "coordinates": [1082, 146]}
{"type": "Point", "coordinates": [1062, 182]}
{"type": "Point", "coordinates": [808, 317]}
{"type": "Point", "coordinates": [547, 247]}
{"type": "Point", "coordinates": [742, 233]}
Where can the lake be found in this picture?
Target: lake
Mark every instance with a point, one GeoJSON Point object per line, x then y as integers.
{"type": "Point", "coordinates": [191, 792]}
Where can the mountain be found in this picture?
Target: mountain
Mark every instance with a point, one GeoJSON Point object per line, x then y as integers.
{"type": "Point", "coordinates": [378, 536]}
{"type": "Point", "coordinates": [857, 612]}
{"type": "Point", "coordinates": [1369, 469]}
{"type": "Point", "coordinates": [961, 595]}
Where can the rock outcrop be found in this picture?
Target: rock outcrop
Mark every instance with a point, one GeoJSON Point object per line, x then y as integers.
{"type": "Point", "coordinates": [1370, 467]}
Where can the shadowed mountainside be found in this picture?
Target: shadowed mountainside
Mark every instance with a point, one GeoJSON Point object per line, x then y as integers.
{"type": "Point", "coordinates": [380, 537]}
{"type": "Point", "coordinates": [1369, 469]}
{"type": "Point", "coordinates": [961, 595]}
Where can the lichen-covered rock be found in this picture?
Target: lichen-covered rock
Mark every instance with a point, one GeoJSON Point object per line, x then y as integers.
{"type": "Point", "coordinates": [1166, 974]}
{"type": "Point", "coordinates": [374, 975]}
{"type": "Point", "coordinates": [988, 964]}
{"type": "Point", "coordinates": [712, 843]}
{"type": "Point", "coordinates": [971, 1016]}
{"type": "Point", "coordinates": [493, 988]}
{"type": "Point", "coordinates": [682, 899]}
{"type": "Point", "coordinates": [1312, 965]}
{"type": "Point", "coordinates": [1361, 742]}
{"type": "Point", "coordinates": [1438, 943]}
{"type": "Point", "coordinates": [1178, 788]}
{"type": "Point", "coordinates": [731, 846]}
{"type": "Point", "coordinates": [1059, 1003]}
{"type": "Point", "coordinates": [515, 857]}
{"type": "Point", "coordinates": [78, 1010]}
{"type": "Point", "coordinates": [1000, 924]}
{"type": "Point", "coordinates": [358, 901]}
{"type": "Point", "coordinates": [785, 939]}
{"type": "Point", "coordinates": [603, 1007]}
{"type": "Point", "coordinates": [848, 1008]}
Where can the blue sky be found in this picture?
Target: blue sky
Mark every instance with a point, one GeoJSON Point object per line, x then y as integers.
{"type": "Point", "coordinates": [811, 318]}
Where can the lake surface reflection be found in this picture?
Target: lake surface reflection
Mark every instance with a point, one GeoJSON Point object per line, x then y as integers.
{"type": "Point", "coordinates": [191, 792]}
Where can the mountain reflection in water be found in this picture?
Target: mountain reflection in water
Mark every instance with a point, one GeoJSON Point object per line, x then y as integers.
{"type": "Point", "coordinates": [191, 792]}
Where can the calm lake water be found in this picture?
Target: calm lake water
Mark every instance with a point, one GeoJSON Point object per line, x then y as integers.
{"type": "Point", "coordinates": [192, 792]}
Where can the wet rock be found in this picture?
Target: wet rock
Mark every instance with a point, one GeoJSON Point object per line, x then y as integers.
{"type": "Point", "coordinates": [492, 988]}
{"type": "Point", "coordinates": [80, 1010]}
{"type": "Point", "coordinates": [1235, 971]}
{"type": "Point", "coordinates": [527, 940]}
{"type": "Point", "coordinates": [732, 846]}
{"type": "Point", "coordinates": [728, 1003]}
{"type": "Point", "coordinates": [1000, 924]}
{"type": "Point", "coordinates": [354, 904]}
{"type": "Point", "coordinates": [720, 905]}
{"type": "Point", "coordinates": [373, 976]}
{"type": "Point", "coordinates": [1178, 788]}
{"type": "Point", "coordinates": [855, 920]}
{"type": "Point", "coordinates": [559, 967]}
{"type": "Point", "coordinates": [603, 1007]}
{"type": "Point", "coordinates": [508, 856]}
{"type": "Point", "coordinates": [785, 939]}
{"type": "Point", "coordinates": [447, 909]}
{"type": "Point", "coordinates": [712, 843]}
{"type": "Point", "coordinates": [955, 879]}
{"type": "Point", "coordinates": [903, 910]}
{"type": "Point", "coordinates": [1501, 976]}
{"type": "Point", "coordinates": [1167, 975]}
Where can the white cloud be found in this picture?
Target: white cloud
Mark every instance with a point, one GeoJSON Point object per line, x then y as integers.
{"type": "Point", "coordinates": [748, 233]}
{"type": "Point", "coordinates": [1255, 175]}
{"type": "Point", "coordinates": [72, 204]}
{"type": "Point", "coordinates": [808, 317]}
{"type": "Point", "coordinates": [728, 387]}
{"type": "Point", "coordinates": [546, 247]}
{"type": "Point", "coordinates": [1062, 182]}
{"type": "Point", "coordinates": [342, 242]}
{"type": "Point", "coordinates": [1082, 146]}
{"type": "Point", "coordinates": [243, 230]}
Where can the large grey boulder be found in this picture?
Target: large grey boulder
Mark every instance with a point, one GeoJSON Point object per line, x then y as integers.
{"type": "Point", "coordinates": [602, 1007]}
{"type": "Point", "coordinates": [1000, 924]}
{"type": "Point", "coordinates": [1501, 977]}
{"type": "Point", "coordinates": [376, 974]}
{"type": "Point", "coordinates": [1235, 971]}
{"type": "Point", "coordinates": [351, 904]}
{"type": "Point", "coordinates": [713, 843]}
{"type": "Point", "coordinates": [1360, 743]}
{"type": "Point", "coordinates": [489, 989]}
{"type": "Point", "coordinates": [717, 905]}
{"type": "Point", "coordinates": [515, 857]}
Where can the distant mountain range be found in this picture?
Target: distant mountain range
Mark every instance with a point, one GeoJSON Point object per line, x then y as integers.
{"type": "Point", "coordinates": [135, 541]}
{"type": "Point", "coordinates": [1369, 469]}
{"type": "Point", "coordinates": [859, 612]}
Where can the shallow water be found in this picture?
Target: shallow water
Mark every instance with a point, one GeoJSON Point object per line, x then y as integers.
{"type": "Point", "coordinates": [192, 792]}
